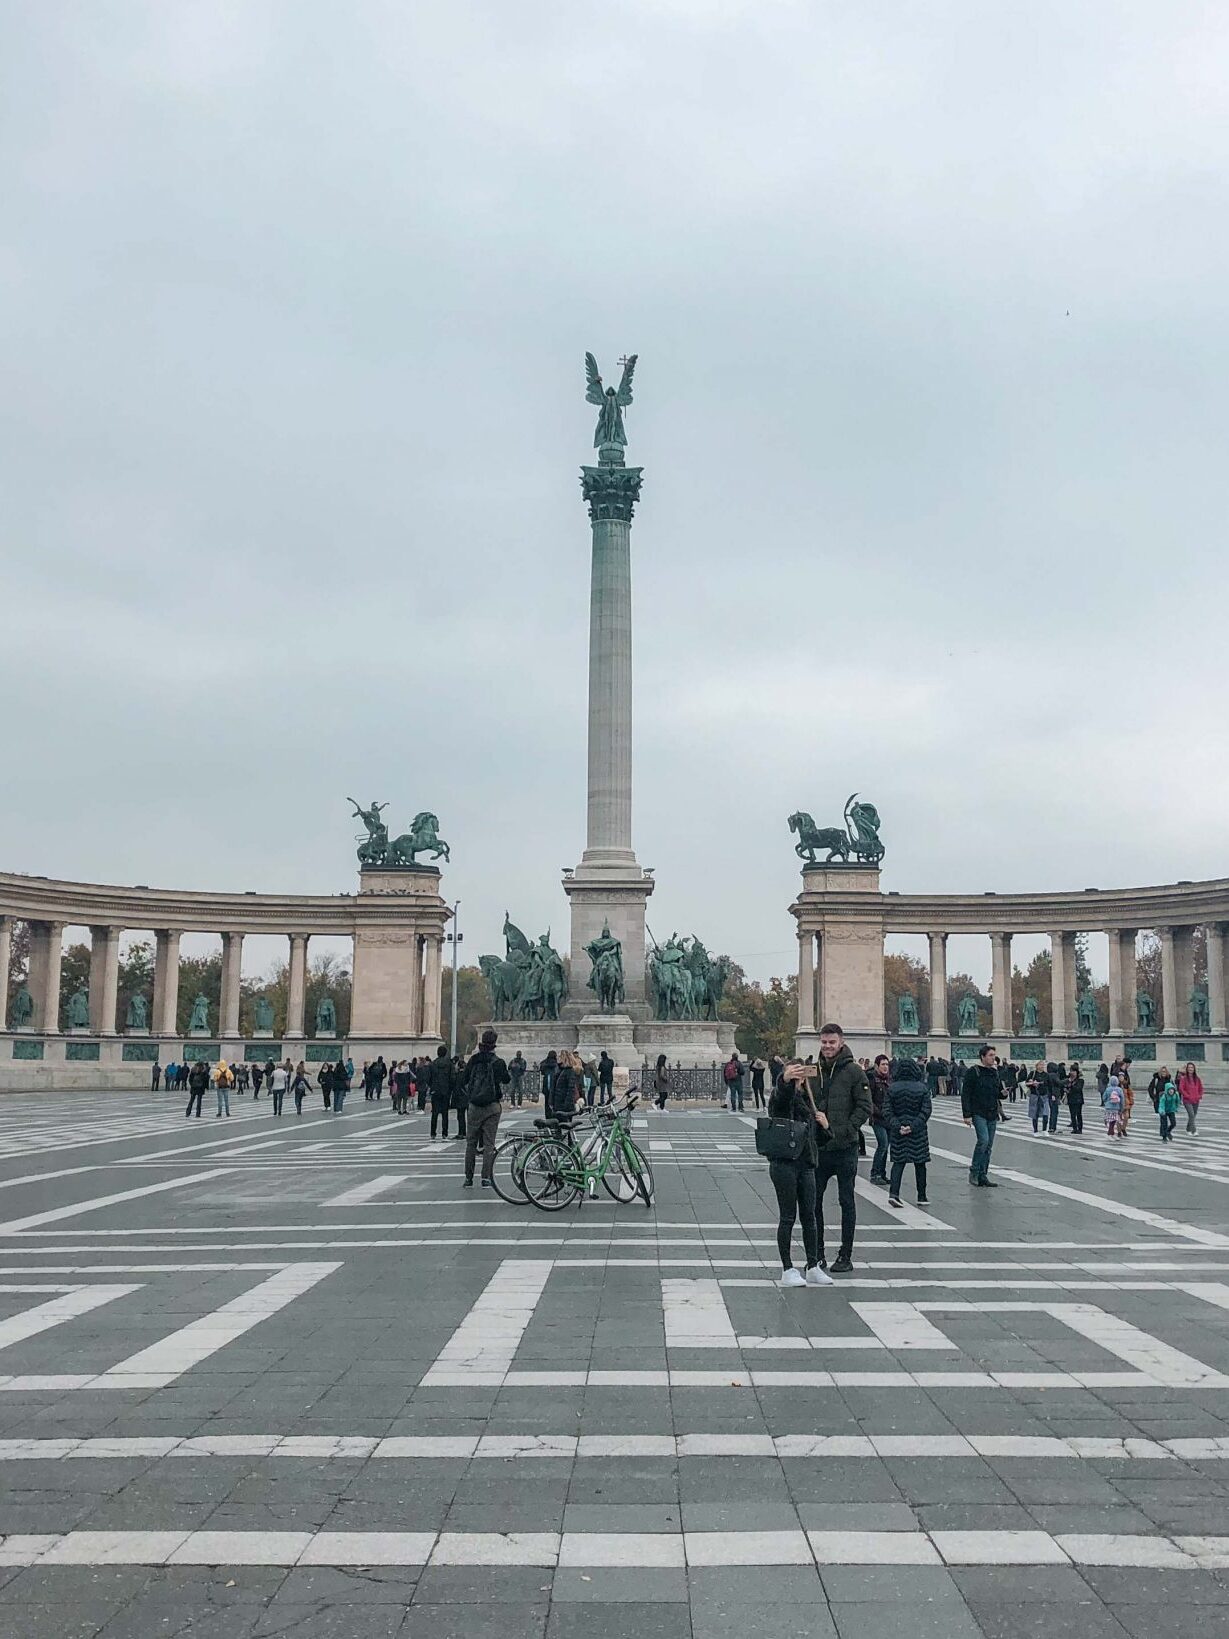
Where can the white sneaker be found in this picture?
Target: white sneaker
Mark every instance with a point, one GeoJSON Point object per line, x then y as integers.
{"type": "Point", "coordinates": [791, 1277]}
{"type": "Point", "coordinates": [818, 1277]}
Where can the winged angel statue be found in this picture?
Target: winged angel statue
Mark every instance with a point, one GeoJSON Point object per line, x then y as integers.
{"type": "Point", "coordinates": [610, 428]}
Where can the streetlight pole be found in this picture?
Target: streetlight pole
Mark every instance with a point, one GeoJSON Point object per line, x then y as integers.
{"type": "Point", "coordinates": [454, 939]}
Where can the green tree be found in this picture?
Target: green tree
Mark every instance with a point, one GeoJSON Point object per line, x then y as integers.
{"type": "Point", "coordinates": [74, 974]}
{"type": "Point", "coordinates": [136, 974]}
{"type": "Point", "coordinates": [473, 1006]}
{"type": "Point", "coordinates": [199, 975]}
{"type": "Point", "coordinates": [1035, 982]}
{"type": "Point", "coordinates": [765, 1020]}
{"type": "Point", "coordinates": [905, 975]}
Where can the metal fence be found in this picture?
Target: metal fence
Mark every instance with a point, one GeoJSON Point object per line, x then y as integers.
{"type": "Point", "coordinates": [704, 1082]}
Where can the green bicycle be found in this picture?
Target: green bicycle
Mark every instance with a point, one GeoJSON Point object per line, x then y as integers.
{"type": "Point", "coordinates": [568, 1166]}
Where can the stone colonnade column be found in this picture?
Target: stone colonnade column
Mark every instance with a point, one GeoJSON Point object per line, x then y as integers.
{"type": "Point", "coordinates": [1062, 983]}
{"type": "Point", "coordinates": [232, 964]}
{"type": "Point", "coordinates": [431, 986]}
{"type": "Point", "coordinates": [1122, 981]}
{"type": "Point", "coordinates": [104, 979]}
{"type": "Point", "coordinates": [1000, 988]}
{"type": "Point", "coordinates": [1184, 974]}
{"type": "Point", "coordinates": [46, 956]}
{"type": "Point", "coordinates": [296, 990]}
{"type": "Point", "coordinates": [806, 980]}
{"type": "Point", "coordinates": [938, 984]}
{"type": "Point", "coordinates": [166, 980]}
{"type": "Point", "coordinates": [6, 952]}
{"type": "Point", "coordinates": [1216, 976]}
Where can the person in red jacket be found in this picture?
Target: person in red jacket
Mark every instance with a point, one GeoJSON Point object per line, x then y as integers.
{"type": "Point", "coordinates": [1190, 1091]}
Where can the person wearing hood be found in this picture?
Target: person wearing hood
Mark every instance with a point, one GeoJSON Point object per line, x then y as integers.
{"type": "Point", "coordinates": [1113, 1102]}
{"type": "Point", "coordinates": [907, 1109]}
{"type": "Point", "coordinates": [486, 1076]}
{"type": "Point", "coordinates": [843, 1101]}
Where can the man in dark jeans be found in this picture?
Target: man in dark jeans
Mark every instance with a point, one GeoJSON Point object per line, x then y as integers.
{"type": "Point", "coordinates": [979, 1104]}
{"type": "Point", "coordinates": [198, 1080]}
{"type": "Point", "coordinates": [843, 1100]}
{"type": "Point", "coordinates": [486, 1076]}
{"type": "Point", "coordinates": [605, 1078]}
{"type": "Point", "coordinates": [438, 1077]}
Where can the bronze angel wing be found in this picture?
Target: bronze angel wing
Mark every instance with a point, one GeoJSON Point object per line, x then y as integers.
{"type": "Point", "coordinates": [625, 386]}
{"type": "Point", "coordinates": [594, 393]}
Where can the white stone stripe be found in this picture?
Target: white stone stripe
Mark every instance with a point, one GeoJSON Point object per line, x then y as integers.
{"type": "Point", "coordinates": [54, 1214]}
{"type": "Point", "coordinates": [636, 1550]}
{"type": "Point", "coordinates": [164, 1361]}
{"type": "Point", "coordinates": [696, 1315]}
{"type": "Point", "coordinates": [362, 1193]}
{"type": "Point", "coordinates": [484, 1345]}
{"type": "Point", "coordinates": [57, 1310]}
{"type": "Point", "coordinates": [901, 1326]}
{"type": "Point", "coordinates": [1102, 1203]}
{"type": "Point", "coordinates": [742, 1379]}
{"type": "Point", "coordinates": [911, 1217]}
{"type": "Point", "coordinates": [505, 1447]}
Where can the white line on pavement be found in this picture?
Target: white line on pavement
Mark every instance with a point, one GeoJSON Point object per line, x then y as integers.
{"type": "Point", "coordinates": [57, 1213]}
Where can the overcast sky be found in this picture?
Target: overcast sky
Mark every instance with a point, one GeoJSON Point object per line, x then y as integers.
{"type": "Point", "coordinates": [932, 404]}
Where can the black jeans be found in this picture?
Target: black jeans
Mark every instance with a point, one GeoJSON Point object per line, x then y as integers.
{"type": "Point", "coordinates": [879, 1165]}
{"type": "Point", "coordinates": [1076, 1107]}
{"type": "Point", "coordinates": [195, 1098]}
{"type": "Point", "coordinates": [898, 1173]}
{"type": "Point", "coordinates": [460, 1109]}
{"type": "Point", "coordinates": [439, 1112]}
{"type": "Point", "coordinates": [839, 1162]}
{"type": "Point", "coordinates": [794, 1182]}
{"type": "Point", "coordinates": [1168, 1122]}
{"type": "Point", "coordinates": [1053, 1107]}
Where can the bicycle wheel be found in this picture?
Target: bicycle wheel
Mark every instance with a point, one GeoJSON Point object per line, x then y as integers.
{"type": "Point", "coordinates": [506, 1167]}
{"type": "Point", "coordinates": [548, 1173]}
{"type": "Point", "coordinates": [629, 1176]}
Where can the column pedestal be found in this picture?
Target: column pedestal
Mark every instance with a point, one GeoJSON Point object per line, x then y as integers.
{"type": "Point", "coordinates": [843, 905]}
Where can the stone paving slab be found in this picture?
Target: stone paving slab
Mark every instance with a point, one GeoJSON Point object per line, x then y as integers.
{"type": "Point", "coordinates": [1105, 1503]}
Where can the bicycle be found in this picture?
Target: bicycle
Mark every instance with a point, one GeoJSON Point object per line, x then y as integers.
{"type": "Point", "coordinates": [508, 1167]}
{"type": "Point", "coordinates": [558, 1170]}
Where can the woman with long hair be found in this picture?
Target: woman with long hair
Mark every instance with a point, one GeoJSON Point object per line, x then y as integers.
{"type": "Point", "coordinates": [1190, 1091]}
{"type": "Point", "coordinates": [661, 1082]}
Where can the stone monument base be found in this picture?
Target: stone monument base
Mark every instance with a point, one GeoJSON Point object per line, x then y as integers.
{"type": "Point", "coordinates": [613, 1032]}
{"type": "Point", "coordinates": [629, 1041]}
{"type": "Point", "coordinates": [132, 1030]}
{"type": "Point", "coordinates": [201, 1035]}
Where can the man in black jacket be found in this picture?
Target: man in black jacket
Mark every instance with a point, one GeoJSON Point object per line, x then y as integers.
{"type": "Point", "coordinates": [486, 1076]}
{"type": "Point", "coordinates": [979, 1104]}
{"type": "Point", "coordinates": [198, 1080]}
{"type": "Point", "coordinates": [843, 1100]}
{"type": "Point", "coordinates": [605, 1078]}
{"type": "Point", "coordinates": [438, 1079]}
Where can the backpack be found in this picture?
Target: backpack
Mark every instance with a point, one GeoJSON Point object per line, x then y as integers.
{"type": "Point", "coordinates": [482, 1089]}
{"type": "Point", "coordinates": [730, 1072]}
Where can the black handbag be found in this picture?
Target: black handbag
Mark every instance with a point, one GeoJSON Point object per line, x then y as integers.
{"type": "Point", "coordinates": [779, 1139]}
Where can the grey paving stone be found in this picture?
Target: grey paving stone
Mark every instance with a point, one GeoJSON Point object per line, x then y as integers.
{"type": "Point", "coordinates": [769, 1621]}
{"type": "Point", "coordinates": [1022, 1584]}
{"type": "Point", "coordinates": [470, 1621]}
{"type": "Point", "coordinates": [603, 1584]}
{"type": "Point", "coordinates": [580, 1516]}
{"type": "Point", "coordinates": [881, 1584]}
{"type": "Point", "coordinates": [857, 1516]}
{"type": "Point", "coordinates": [755, 1584]}
{"type": "Point", "coordinates": [329, 1621]}
{"type": "Point", "coordinates": [876, 1620]}
{"type": "Point", "coordinates": [580, 1620]}
{"type": "Point", "coordinates": [1172, 1621]}
{"type": "Point", "coordinates": [480, 1584]}
{"type": "Point", "coordinates": [1035, 1621]}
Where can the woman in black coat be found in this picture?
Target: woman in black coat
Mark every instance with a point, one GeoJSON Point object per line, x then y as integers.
{"type": "Point", "coordinates": [907, 1108]}
{"type": "Point", "coordinates": [794, 1181]}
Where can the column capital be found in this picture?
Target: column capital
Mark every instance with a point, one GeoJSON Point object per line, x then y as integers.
{"type": "Point", "coordinates": [611, 492]}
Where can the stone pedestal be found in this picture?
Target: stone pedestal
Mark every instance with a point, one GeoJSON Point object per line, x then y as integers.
{"type": "Point", "coordinates": [133, 1031]}
{"type": "Point", "coordinates": [613, 1032]}
{"type": "Point", "coordinates": [601, 894]}
{"type": "Point", "coordinates": [389, 993]}
{"type": "Point", "coordinates": [841, 908]}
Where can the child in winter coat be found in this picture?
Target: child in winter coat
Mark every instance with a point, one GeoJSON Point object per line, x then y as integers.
{"type": "Point", "coordinates": [1114, 1105]}
{"type": "Point", "coordinates": [1167, 1108]}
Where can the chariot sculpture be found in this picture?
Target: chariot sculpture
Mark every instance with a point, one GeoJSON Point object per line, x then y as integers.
{"type": "Point", "coordinates": [860, 840]}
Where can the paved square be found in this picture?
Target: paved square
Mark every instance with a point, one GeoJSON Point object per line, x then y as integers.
{"type": "Point", "coordinates": [263, 1376]}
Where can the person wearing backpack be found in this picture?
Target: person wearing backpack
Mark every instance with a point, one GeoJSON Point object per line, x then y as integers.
{"type": "Point", "coordinates": [486, 1075]}
{"type": "Point", "coordinates": [733, 1075]}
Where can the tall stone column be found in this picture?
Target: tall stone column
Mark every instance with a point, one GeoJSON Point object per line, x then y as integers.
{"type": "Point", "coordinates": [939, 1025]}
{"type": "Point", "coordinates": [1122, 981]}
{"type": "Point", "coordinates": [166, 980]}
{"type": "Point", "coordinates": [1216, 977]}
{"type": "Point", "coordinates": [806, 981]}
{"type": "Point", "coordinates": [608, 886]}
{"type": "Point", "coordinates": [232, 967]}
{"type": "Point", "coordinates": [296, 987]}
{"type": "Point", "coordinates": [431, 986]}
{"type": "Point", "coordinates": [46, 956]}
{"type": "Point", "coordinates": [1000, 989]}
{"type": "Point", "coordinates": [104, 979]}
{"type": "Point", "coordinates": [6, 954]}
{"type": "Point", "coordinates": [1062, 983]}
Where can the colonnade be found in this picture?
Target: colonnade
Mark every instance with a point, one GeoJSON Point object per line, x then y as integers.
{"type": "Point", "coordinates": [843, 918]}
{"type": "Point", "coordinates": [422, 1004]}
